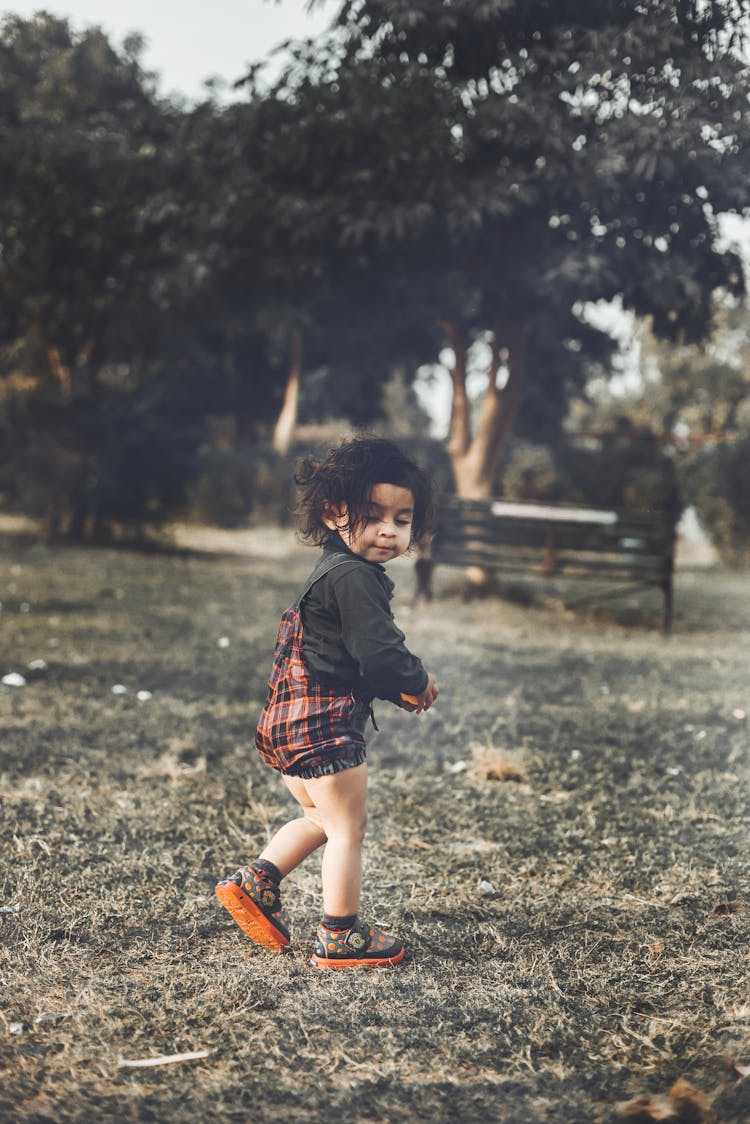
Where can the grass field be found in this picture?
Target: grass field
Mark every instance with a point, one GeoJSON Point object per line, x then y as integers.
{"type": "Point", "coordinates": [562, 842]}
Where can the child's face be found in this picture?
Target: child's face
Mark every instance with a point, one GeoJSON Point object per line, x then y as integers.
{"type": "Point", "coordinates": [386, 532]}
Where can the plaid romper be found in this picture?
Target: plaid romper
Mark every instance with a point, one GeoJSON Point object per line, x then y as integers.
{"type": "Point", "coordinates": [304, 729]}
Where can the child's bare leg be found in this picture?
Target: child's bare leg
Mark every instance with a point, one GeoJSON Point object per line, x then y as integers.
{"type": "Point", "coordinates": [335, 813]}
{"type": "Point", "coordinates": [300, 837]}
{"type": "Point", "coordinates": [340, 801]}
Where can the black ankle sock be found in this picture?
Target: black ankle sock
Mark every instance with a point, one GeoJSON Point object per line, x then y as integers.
{"type": "Point", "coordinates": [338, 923]}
{"type": "Point", "coordinates": [263, 866]}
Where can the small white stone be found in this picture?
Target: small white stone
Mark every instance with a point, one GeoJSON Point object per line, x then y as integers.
{"type": "Point", "coordinates": [486, 887]}
{"type": "Point", "coordinates": [458, 767]}
{"type": "Point", "coordinates": [144, 696]}
{"type": "Point", "coordinates": [37, 665]}
{"type": "Point", "coordinates": [13, 679]}
{"type": "Point", "coordinates": [119, 689]}
{"type": "Point", "coordinates": [740, 714]}
{"type": "Point", "coordinates": [223, 642]}
{"type": "Point", "coordinates": [673, 770]}
{"type": "Point", "coordinates": [575, 755]}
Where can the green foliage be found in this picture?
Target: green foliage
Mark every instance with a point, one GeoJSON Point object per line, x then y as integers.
{"type": "Point", "coordinates": [590, 147]}
{"type": "Point", "coordinates": [85, 209]}
{"type": "Point", "coordinates": [101, 275]}
{"type": "Point", "coordinates": [624, 472]}
{"type": "Point", "coordinates": [717, 482]}
{"type": "Point", "coordinates": [238, 487]}
{"type": "Point", "coordinates": [427, 162]}
{"type": "Point", "coordinates": [512, 160]}
{"type": "Point", "coordinates": [697, 400]}
{"type": "Point", "coordinates": [696, 392]}
{"type": "Point", "coordinates": [94, 465]}
{"type": "Point", "coordinates": [531, 474]}
{"type": "Point", "coordinates": [234, 487]}
{"type": "Point", "coordinates": [309, 246]}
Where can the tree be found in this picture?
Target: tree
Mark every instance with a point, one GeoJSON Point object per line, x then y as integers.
{"type": "Point", "coordinates": [96, 281]}
{"type": "Point", "coordinates": [430, 171]}
{"type": "Point", "coordinates": [695, 400]}
{"type": "Point", "coordinates": [81, 201]}
{"type": "Point", "coordinates": [581, 151]}
{"type": "Point", "coordinates": [303, 265]}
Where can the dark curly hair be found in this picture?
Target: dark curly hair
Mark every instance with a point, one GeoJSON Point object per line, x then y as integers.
{"type": "Point", "coordinates": [347, 475]}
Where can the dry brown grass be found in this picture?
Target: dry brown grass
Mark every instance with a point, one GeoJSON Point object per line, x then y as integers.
{"type": "Point", "coordinates": [493, 763]}
{"type": "Point", "coordinates": [608, 962]}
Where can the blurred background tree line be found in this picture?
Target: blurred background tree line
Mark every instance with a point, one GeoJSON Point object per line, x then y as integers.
{"type": "Point", "coordinates": [187, 291]}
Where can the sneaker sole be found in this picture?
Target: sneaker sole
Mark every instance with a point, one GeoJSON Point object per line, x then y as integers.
{"type": "Point", "coordinates": [383, 962]}
{"type": "Point", "coordinates": [251, 920]}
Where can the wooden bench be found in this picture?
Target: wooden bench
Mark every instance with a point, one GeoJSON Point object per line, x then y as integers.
{"type": "Point", "coordinates": [623, 547]}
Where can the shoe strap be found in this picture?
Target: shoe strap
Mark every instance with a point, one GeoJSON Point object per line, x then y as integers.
{"type": "Point", "coordinates": [357, 939]}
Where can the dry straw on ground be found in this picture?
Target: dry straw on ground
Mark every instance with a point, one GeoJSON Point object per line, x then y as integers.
{"type": "Point", "coordinates": [684, 1104]}
{"type": "Point", "coordinates": [491, 763]}
{"type": "Point", "coordinates": [608, 962]}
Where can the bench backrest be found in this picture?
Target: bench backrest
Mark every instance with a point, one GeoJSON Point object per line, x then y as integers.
{"type": "Point", "coordinates": [550, 537]}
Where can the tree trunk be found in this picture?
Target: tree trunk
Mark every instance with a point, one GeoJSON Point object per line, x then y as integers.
{"type": "Point", "coordinates": [459, 432]}
{"type": "Point", "coordinates": [286, 424]}
{"type": "Point", "coordinates": [476, 459]}
{"type": "Point", "coordinates": [475, 467]}
{"type": "Point", "coordinates": [59, 371]}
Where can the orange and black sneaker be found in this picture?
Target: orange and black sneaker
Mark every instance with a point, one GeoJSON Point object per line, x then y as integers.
{"type": "Point", "coordinates": [358, 947]}
{"type": "Point", "coordinates": [254, 902]}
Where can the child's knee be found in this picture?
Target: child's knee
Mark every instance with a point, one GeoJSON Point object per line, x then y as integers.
{"type": "Point", "coordinates": [359, 823]}
{"type": "Point", "coordinates": [313, 816]}
{"type": "Point", "coordinates": [352, 825]}
{"type": "Point", "coordinates": [345, 823]}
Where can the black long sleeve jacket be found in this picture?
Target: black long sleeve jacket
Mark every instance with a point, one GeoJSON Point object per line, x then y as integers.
{"type": "Point", "coordinates": [350, 641]}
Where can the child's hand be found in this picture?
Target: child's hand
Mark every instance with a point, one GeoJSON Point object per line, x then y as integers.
{"type": "Point", "coordinates": [418, 703]}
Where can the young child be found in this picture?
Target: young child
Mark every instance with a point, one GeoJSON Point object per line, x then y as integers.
{"type": "Point", "coordinates": [337, 649]}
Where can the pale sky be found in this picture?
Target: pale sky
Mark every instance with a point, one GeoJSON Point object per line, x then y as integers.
{"type": "Point", "coordinates": [189, 41]}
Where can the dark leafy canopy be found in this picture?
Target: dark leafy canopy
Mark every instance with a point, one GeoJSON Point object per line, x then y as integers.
{"type": "Point", "coordinates": [108, 228]}
{"type": "Point", "coordinates": [594, 143]}
{"type": "Point", "coordinates": [83, 196]}
{"type": "Point", "coordinates": [106, 247]}
{"type": "Point", "coordinates": [575, 151]}
{"type": "Point", "coordinates": [426, 163]}
{"type": "Point", "coordinates": [97, 277]}
{"type": "Point", "coordinates": [311, 246]}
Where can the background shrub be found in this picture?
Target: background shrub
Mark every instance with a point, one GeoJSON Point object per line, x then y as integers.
{"type": "Point", "coordinates": [717, 482]}
{"type": "Point", "coordinates": [627, 473]}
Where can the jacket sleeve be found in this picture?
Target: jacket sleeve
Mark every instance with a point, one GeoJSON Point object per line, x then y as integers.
{"type": "Point", "coordinates": [372, 638]}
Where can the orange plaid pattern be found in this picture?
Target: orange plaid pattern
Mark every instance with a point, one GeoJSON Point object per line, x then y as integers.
{"type": "Point", "coordinates": [302, 725]}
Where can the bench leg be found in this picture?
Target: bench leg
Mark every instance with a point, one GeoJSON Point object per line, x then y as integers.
{"type": "Point", "coordinates": [666, 622]}
{"type": "Point", "coordinates": [549, 554]}
{"type": "Point", "coordinates": [423, 570]}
